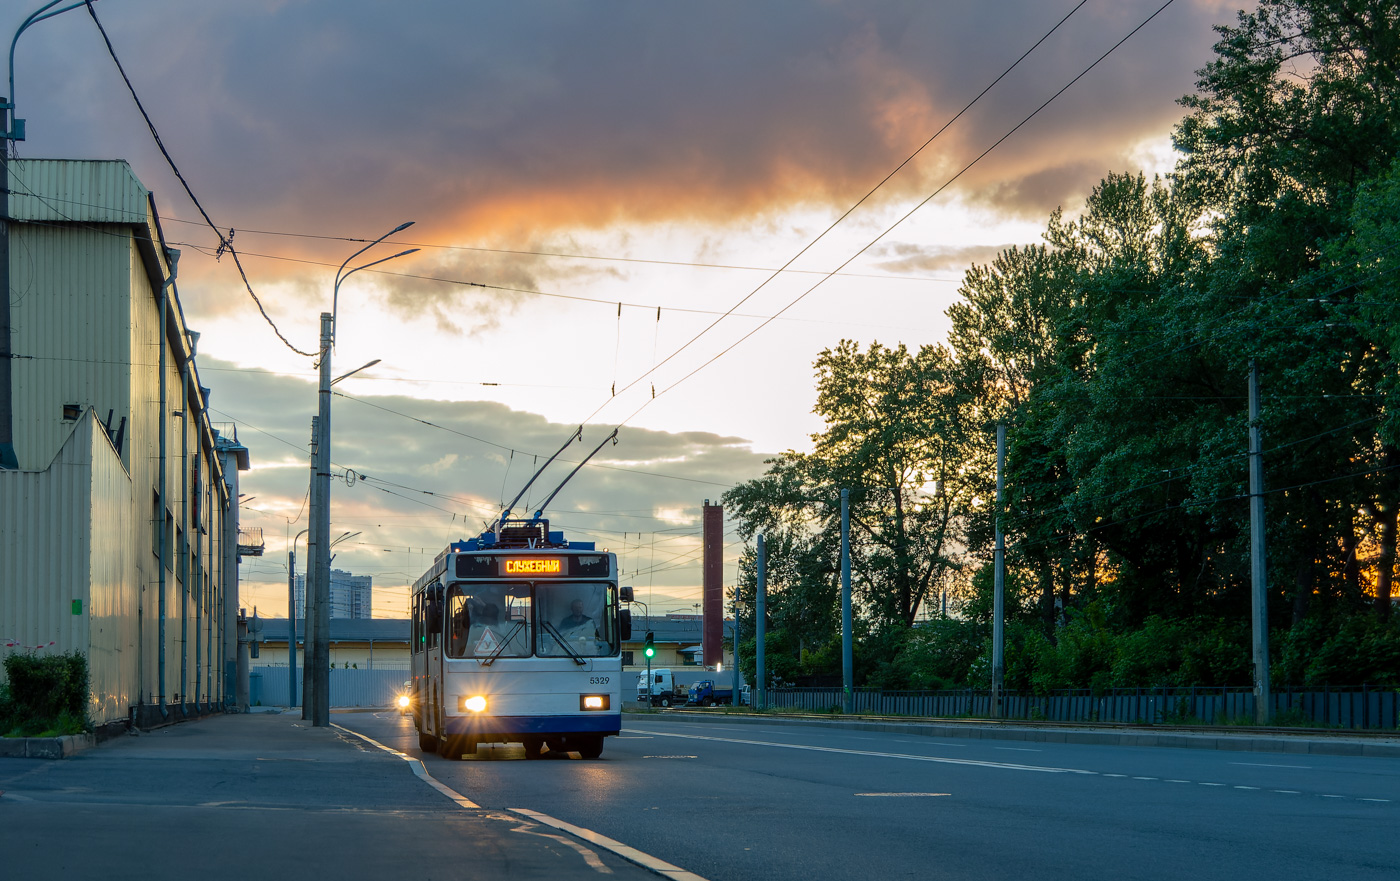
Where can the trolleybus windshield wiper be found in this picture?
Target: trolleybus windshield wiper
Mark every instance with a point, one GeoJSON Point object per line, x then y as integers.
{"type": "Point", "coordinates": [505, 641]}
{"type": "Point", "coordinates": [559, 637]}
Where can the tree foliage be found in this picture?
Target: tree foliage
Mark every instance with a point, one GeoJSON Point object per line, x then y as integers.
{"type": "Point", "coordinates": [1117, 352]}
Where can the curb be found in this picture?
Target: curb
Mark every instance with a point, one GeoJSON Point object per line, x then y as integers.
{"type": "Point", "coordinates": [1243, 742]}
{"type": "Point", "coordinates": [45, 747]}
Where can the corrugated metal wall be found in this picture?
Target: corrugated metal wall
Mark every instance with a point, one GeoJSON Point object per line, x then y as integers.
{"type": "Point", "coordinates": [87, 332]}
{"type": "Point", "coordinates": [67, 191]}
{"type": "Point", "coordinates": [110, 610]}
{"type": "Point", "coordinates": [44, 566]}
{"type": "Point", "coordinates": [70, 316]}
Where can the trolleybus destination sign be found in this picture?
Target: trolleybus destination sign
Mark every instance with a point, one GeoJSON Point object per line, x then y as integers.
{"type": "Point", "coordinates": [534, 566]}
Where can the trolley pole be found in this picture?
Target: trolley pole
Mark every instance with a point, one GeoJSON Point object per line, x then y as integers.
{"type": "Point", "coordinates": [847, 658]}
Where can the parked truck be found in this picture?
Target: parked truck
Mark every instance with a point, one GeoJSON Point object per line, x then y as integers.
{"type": "Point", "coordinates": [706, 693]}
{"type": "Point", "coordinates": [669, 688]}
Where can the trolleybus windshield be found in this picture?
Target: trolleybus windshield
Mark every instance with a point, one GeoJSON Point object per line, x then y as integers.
{"type": "Point", "coordinates": [489, 620]}
{"type": "Point", "coordinates": [575, 620]}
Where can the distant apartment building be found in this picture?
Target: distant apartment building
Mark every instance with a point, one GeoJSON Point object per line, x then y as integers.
{"type": "Point", "coordinates": [351, 595]}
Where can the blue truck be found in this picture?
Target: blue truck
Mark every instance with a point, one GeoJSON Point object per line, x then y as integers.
{"type": "Point", "coordinates": [706, 693]}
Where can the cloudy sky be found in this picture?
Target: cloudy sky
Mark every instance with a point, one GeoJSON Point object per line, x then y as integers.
{"type": "Point", "coordinates": [602, 194]}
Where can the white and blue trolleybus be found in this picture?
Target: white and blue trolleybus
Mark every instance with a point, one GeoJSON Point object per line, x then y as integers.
{"type": "Point", "coordinates": [517, 638]}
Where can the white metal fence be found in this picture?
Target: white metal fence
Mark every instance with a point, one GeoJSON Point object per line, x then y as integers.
{"type": "Point", "coordinates": [267, 686]}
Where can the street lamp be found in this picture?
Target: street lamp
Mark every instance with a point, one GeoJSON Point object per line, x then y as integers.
{"type": "Point", "coordinates": [321, 495]}
{"type": "Point", "coordinates": [292, 619]}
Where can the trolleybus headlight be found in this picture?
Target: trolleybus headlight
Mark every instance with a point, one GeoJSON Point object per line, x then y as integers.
{"type": "Point", "coordinates": [403, 701]}
{"type": "Point", "coordinates": [593, 702]}
{"type": "Point", "coordinates": [476, 703]}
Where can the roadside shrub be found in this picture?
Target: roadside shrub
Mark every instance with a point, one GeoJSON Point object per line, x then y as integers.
{"type": "Point", "coordinates": [46, 695]}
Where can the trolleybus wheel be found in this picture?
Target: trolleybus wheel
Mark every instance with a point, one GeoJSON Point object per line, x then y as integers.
{"type": "Point", "coordinates": [427, 743]}
{"type": "Point", "coordinates": [534, 748]}
{"type": "Point", "coordinates": [453, 748]}
{"type": "Point", "coordinates": [590, 747]}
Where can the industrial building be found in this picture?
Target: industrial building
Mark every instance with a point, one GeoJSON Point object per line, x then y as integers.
{"type": "Point", "coordinates": [119, 529]}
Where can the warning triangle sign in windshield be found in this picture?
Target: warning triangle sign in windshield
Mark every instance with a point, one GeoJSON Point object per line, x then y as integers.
{"type": "Point", "coordinates": [488, 643]}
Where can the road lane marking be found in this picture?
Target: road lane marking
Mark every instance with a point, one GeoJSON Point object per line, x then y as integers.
{"type": "Point", "coordinates": [1144, 778]}
{"type": "Point", "coordinates": [1255, 788]}
{"type": "Point", "coordinates": [1263, 765]}
{"type": "Point", "coordinates": [1019, 749]}
{"type": "Point", "coordinates": [1334, 796]}
{"type": "Point", "coordinates": [1286, 791]}
{"type": "Point", "coordinates": [589, 856]}
{"type": "Point", "coordinates": [631, 854]}
{"type": "Point", "coordinates": [901, 794]}
{"type": "Point", "coordinates": [418, 769]}
{"type": "Point", "coordinates": [1221, 784]}
{"type": "Point", "coordinates": [1176, 781]}
{"type": "Point", "coordinates": [1383, 800]}
{"type": "Point", "coordinates": [940, 760]}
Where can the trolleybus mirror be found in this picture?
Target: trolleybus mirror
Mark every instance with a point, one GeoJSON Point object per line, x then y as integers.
{"type": "Point", "coordinates": [624, 623]}
{"type": "Point", "coordinates": [624, 593]}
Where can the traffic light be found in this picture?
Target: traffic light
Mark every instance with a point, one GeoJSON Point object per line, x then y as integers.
{"type": "Point", "coordinates": [650, 650]}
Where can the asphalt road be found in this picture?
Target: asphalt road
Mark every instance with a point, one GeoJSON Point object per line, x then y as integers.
{"type": "Point", "coordinates": [264, 796]}
{"type": "Point", "coordinates": [735, 801]}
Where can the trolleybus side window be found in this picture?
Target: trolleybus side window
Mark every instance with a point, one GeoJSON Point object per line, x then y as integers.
{"type": "Point", "coordinates": [416, 629]}
{"type": "Point", "coordinates": [575, 620]}
{"type": "Point", "coordinates": [488, 621]}
{"type": "Point", "coordinates": [433, 603]}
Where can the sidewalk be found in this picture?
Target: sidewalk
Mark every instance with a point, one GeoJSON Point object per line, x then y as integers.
{"type": "Point", "coordinates": [264, 793]}
{"type": "Point", "coordinates": [1385, 745]}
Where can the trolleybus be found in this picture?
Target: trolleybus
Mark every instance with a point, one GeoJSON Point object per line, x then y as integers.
{"type": "Point", "coordinates": [517, 638]}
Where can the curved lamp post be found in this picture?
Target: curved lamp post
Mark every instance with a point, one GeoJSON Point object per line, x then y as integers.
{"type": "Point", "coordinates": [321, 495]}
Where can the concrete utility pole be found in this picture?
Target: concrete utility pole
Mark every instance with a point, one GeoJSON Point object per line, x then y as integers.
{"type": "Point", "coordinates": [999, 584]}
{"type": "Point", "coordinates": [313, 553]}
{"type": "Point", "coordinates": [848, 666]}
{"type": "Point", "coordinates": [760, 627]}
{"type": "Point", "coordinates": [1259, 583]}
{"type": "Point", "coordinates": [321, 659]}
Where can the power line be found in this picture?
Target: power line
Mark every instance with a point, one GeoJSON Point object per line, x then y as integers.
{"type": "Point", "coordinates": [837, 222]}
{"type": "Point", "coordinates": [906, 216]}
{"type": "Point", "coordinates": [225, 243]}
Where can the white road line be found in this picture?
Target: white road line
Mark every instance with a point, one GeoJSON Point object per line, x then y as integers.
{"type": "Point", "coordinates": [1263, 765]}
{"type": "Point", "coordinates": [1144, 778]}
{"type": "Point", "coordinates": [1286, 791]}
{"type": "Point", "coordinates": [1382, 800]}
{"type": "Point", "coordinates": [1218, 784]}
{"type": "Point", "coordinates": [860, 752]}
{"type": "Point", "coordinates": [631, 854]}
{"type": "Point", "coordinates": [1255, 788]}
{"type": "Point", "coordinates": [1019, 749]}
{"type": "Point", "coordinates": [417, 766]}
{"type": "Point", "coordinates": [901, 794]}
{"type": "Point", "coordinates": [1176, 781]}
{"type": "Point", "coordinates": [1334, 796]}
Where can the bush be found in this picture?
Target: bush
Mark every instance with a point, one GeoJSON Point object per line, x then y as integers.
{"type": "Point", "coordinates": [46, 695]}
